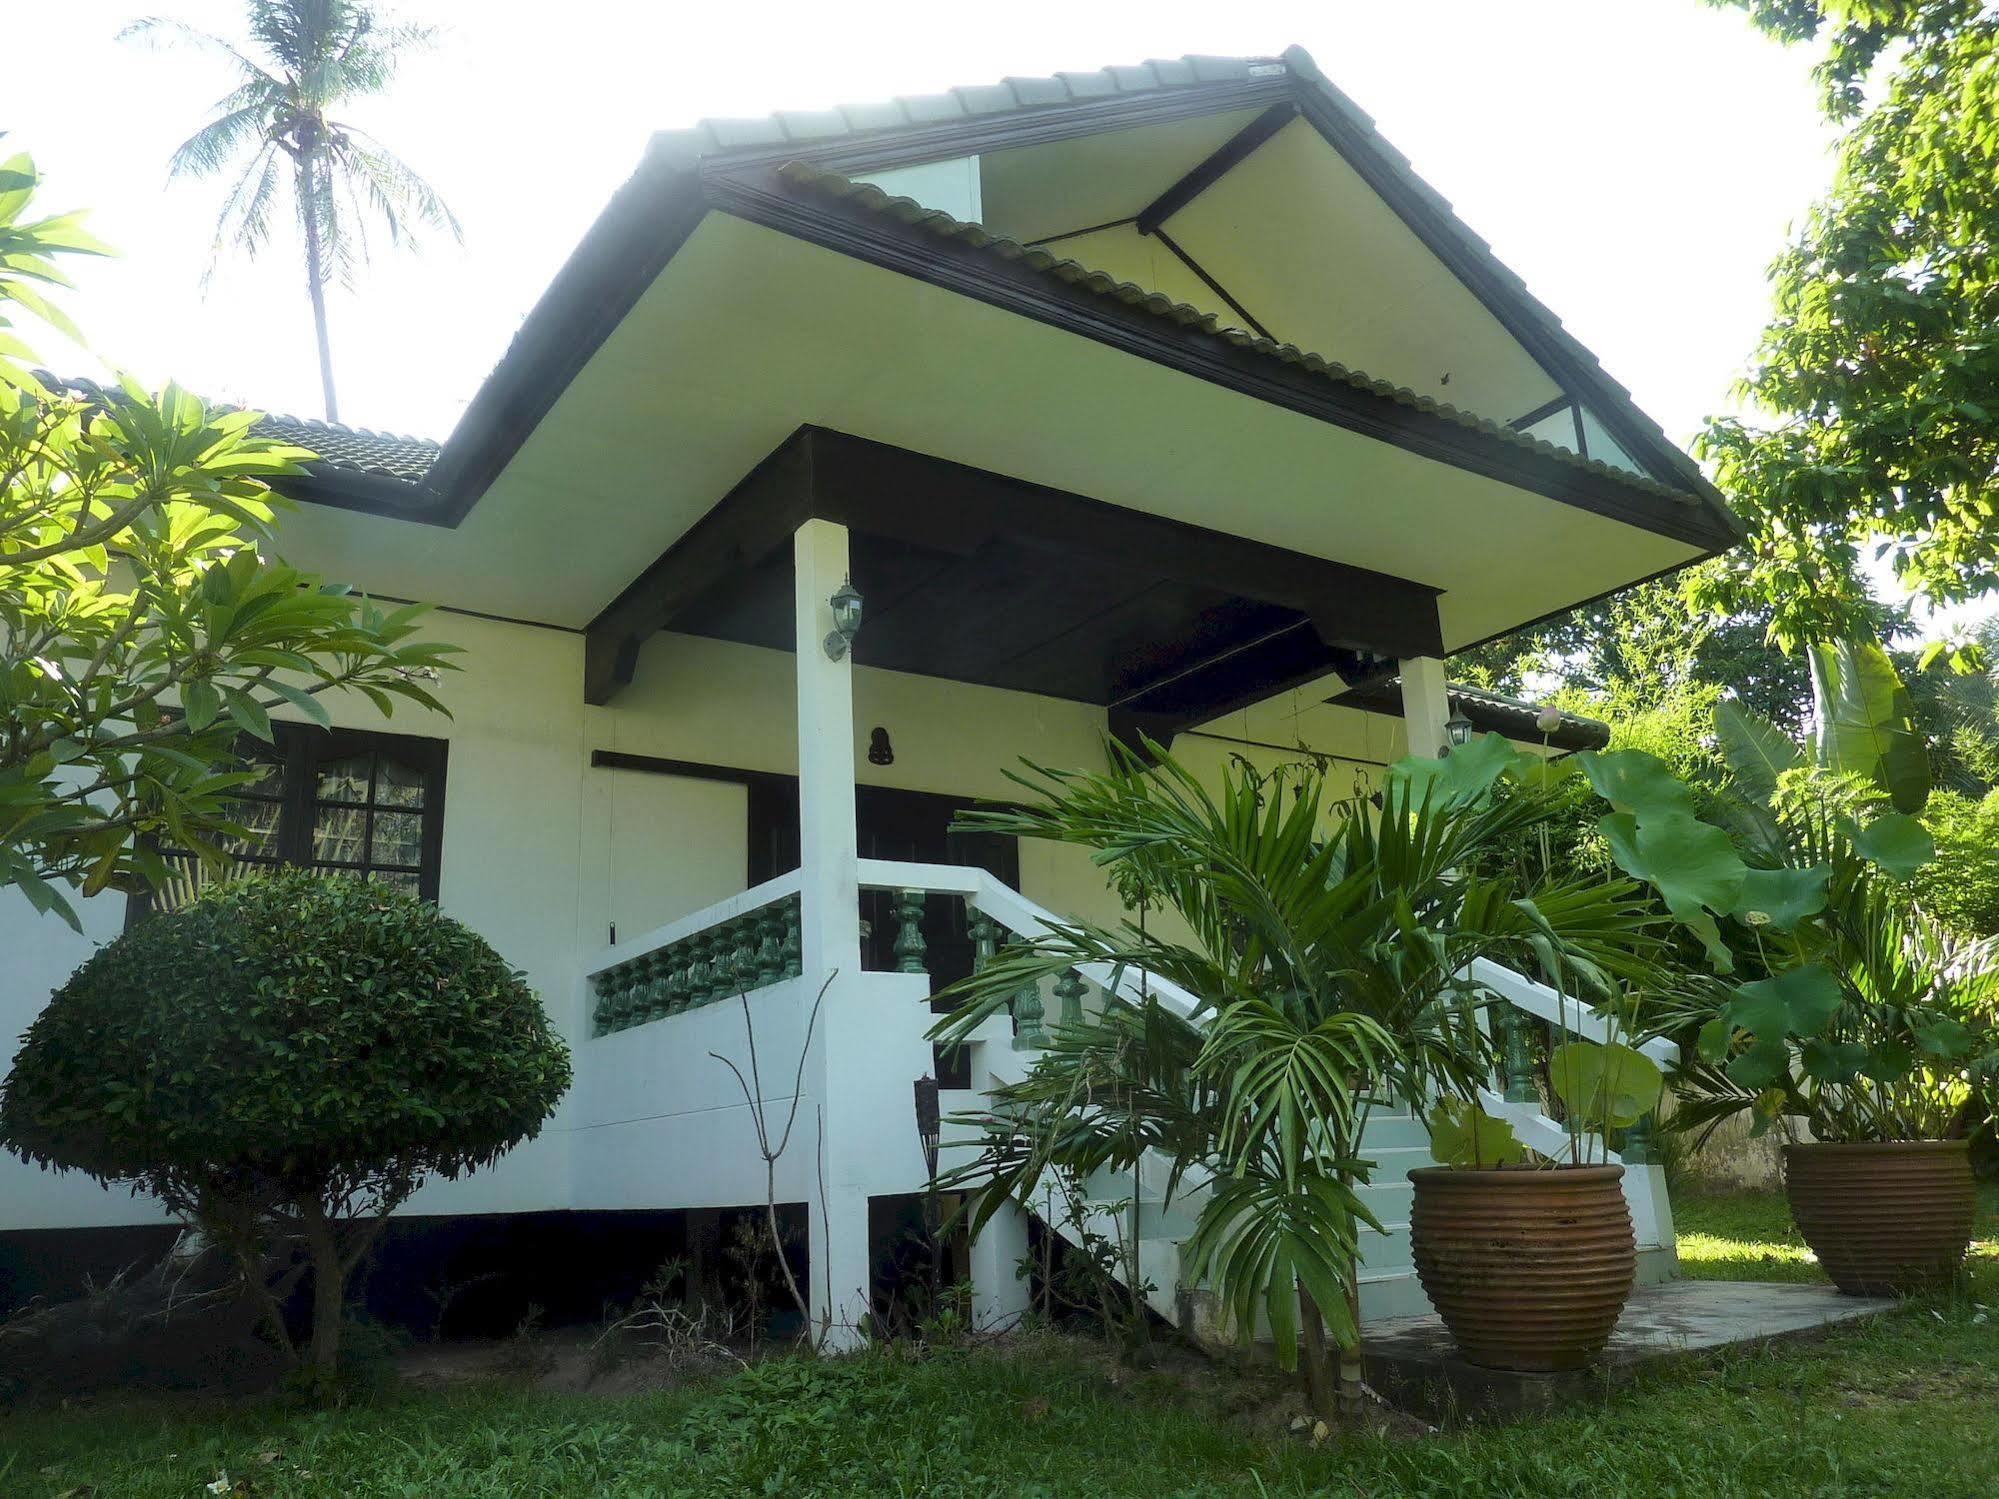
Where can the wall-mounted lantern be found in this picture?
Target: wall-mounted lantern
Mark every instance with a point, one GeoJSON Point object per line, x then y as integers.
{"type": "Point", "coordinates": [846, 620]}
{"type": "Point", "coordinates": [1458, 729]}
{"type": "Point", "coordinates": [880, 751]}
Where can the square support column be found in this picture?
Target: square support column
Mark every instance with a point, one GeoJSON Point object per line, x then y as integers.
{"type": "Point", "coordinates": [829, 928]}
{"type": "Point", "coordinates": [1426, 705]}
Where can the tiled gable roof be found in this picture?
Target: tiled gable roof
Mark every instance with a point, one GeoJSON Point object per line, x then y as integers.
{"type": "Point", "coordinates": [934, 221]}
{"type": "Point", "coordinates": [1008, 96]}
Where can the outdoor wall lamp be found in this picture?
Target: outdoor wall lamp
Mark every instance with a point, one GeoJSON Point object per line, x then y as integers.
{"type": "Point", "coordinates": [846, 621]}
{"type": "Point", "coordinates": [1458, 728]}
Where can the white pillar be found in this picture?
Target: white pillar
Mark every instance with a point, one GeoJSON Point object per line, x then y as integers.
{"type": "Point", "coordinates": [829, 932]}
{"type": "Point", "coordinates": [1001, 1295]}
{"type": "Point", "coordinates": [1426, 705]}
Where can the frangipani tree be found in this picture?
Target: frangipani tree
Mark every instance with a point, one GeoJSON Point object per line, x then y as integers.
{"type": "Point", "coordinates": [144, 624]}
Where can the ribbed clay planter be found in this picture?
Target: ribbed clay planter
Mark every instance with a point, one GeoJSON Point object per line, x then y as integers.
{"type": "Point", "coordinates": [1884, 1219]}
{"type": "Point", "coordinates": [1528, 1269]}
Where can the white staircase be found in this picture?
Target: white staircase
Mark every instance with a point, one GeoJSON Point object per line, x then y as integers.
{"type": "Point", "coordinates": [1394, 1140]}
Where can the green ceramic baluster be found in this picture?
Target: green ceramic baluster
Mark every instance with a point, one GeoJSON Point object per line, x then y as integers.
{"type": "Point", "coordinates": [1069, 997]}
{"type": "Point", "coordinates": [1517, 1058]}
{"type": "Point", "coordinates": [794, 959]}
{"type": "Point", "coordinates": [983, 934]}
{"type": "Point", "coordinates": [909, 943]}
{"type": "Point", "coordinates": [1638, 1142]}
{"type": "Point", "coordinates": [770, 945]}
{"type": "Point", "coordinates": [698, 975]}
{"type": "Point", "coordinates": [1027, 1010]}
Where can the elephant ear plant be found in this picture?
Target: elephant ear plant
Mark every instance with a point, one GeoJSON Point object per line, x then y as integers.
{"type": "Point", "coordinates": [1839, 1012]}
{"type": "Point", "coordinates": [1324, 943]}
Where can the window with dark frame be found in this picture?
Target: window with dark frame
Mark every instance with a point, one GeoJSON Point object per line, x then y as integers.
{"type": "Point", "coordinates": [352, 800]}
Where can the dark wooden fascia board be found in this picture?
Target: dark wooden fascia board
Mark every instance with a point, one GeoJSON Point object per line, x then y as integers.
{"type": "Point", "coordinates": [1542, 412]}
{"type": "Point", "coordinates": [1533, 326]}
{"type": "Point", "coordinates": [369, 494]}
{"type": "Point", "coordinates": [631, 242]}
{"type": "Point", "coordinates": [1216, 165]}
{"type": "Point", "coordinates": [979, 135]}
{"type": "Point", "coordinates": [953, 265]}
{"type": "Point", "coordinates": [757, 516]}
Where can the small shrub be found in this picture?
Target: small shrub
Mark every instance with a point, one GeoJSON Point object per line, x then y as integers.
{"type": "Point", "coordinates": [281, 1063]}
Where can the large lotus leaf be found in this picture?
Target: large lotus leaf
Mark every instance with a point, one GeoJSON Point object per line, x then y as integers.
{"type": "Point", "coordinates": [1536, 772]}
{"type": "Point", "coordinates": [1463, 1134]}
{"type": "Point", "coordinates": [1796, 1003]}
{"type": "Point", "coordinates": [1756, 750]}
{"type": "Point", "coordinates": [1632, 780]}
{"type": "Point", "coordinates": [1891, 1060]}
{"type": "Point", "coordinates": [1692, 865]}
{"type": "Point", "coordinates": [1833, 1061]}
{"type": "Point", "coordinates": [1897, 843]}
{"type": "Point", "coordinates": [1867, 722]}
{"type": "Point", "coordinates": [1606, 1087]}
{"type": "Point", "coordinates": [1714, 1039]}
{"type": "Point", "coordinates": [1760, 1066]}
{"type": "Point", "coordinates": [1786, 896]}
{"type": "Point", "coordinates": [1940, 1036]}
{"type": "Point", "coordinates": [1459, 778]}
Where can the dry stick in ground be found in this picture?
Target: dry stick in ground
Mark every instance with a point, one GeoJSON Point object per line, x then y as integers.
{"type": "Point", "coordinates": [753, 1095]}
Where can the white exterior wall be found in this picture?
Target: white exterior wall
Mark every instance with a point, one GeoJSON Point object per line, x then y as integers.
{"type": "Point", "coordinates": [541, 853]}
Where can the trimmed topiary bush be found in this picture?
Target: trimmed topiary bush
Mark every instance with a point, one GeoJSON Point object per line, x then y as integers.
{"type": "Point", "coordinates": [282, 1062]}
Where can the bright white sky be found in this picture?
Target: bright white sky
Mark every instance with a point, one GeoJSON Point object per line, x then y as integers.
{"type": "Point", "coordinates": [1637, 161]}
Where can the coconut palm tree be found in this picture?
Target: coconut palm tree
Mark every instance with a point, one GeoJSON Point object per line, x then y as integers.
{"type": "Point", "coordinates": [276, 132]}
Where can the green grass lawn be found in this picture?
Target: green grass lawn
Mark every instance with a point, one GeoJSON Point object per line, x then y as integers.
{"type": "Point", "coordinates": [1906, 1405]}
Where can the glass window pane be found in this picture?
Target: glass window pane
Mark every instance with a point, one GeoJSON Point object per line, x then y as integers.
{"type": "Point", "coordinates": [260, 820]}
{"type": "Point", "coordinates": [397, 785]}
{"type": "Point", "coordinates": [344, 780]}
{"type": "Point", "coordinates": [398, 838]}
{"type": "Point", "coordinates": [270, 780]}
{"type": "Point", "coordinates": [400, 879]}
{"type": "Point", "coordinates": [340, 834]}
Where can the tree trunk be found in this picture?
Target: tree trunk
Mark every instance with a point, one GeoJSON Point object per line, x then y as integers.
{"type": "Point", "coordinates": [1350, 1369]}
{"type": "Point", "coordinates": [328, 1287]}
{"type": "Point", "coordinates": [315, 274]}
{"type": "Point", "coordinates": [1318, 1373]}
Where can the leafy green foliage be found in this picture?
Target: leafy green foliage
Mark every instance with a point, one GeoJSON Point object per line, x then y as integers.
{"type": "Point", "coordinates": [1879, 364]}
{"type": "Point", "coordinates": [1866, 721]}
{"type": "Point", "coordinates": [1905, 1404]}
{"type": "Point", "coordinates": [1960, 886]}
{"type": "Point", "coordinates": [1463, 1134]}
{"type": "Point", "coordinates": [1609, 1086]}
{"type": "Point", "coordinates": [305, 60]}
{"type": "Point", "coordinates": [141, 629]}
{"type": "Point", "coordinates": [1327, 945]}
{"type": "Point", "coordinates": [286, 1057]}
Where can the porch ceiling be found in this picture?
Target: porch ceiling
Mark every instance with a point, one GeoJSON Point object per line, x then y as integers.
{"type": "Point", "coordinates": [975, 577]}
{"type": "Point", "coordinates": [749, 333]}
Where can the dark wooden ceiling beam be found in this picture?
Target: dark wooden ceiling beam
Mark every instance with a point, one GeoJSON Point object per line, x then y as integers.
{"type": "Point", "coordinates": [886, 494]}
{"type": "Point", "coordinates": [1216, 165]}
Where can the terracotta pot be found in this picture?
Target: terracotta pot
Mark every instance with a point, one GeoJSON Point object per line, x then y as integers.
{"type": "Point", "coordinates": [1528, 1269]}
{"type": "Point", "coordinates": [1884, 1219]}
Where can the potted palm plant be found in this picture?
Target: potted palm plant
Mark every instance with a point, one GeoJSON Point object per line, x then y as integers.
{"type": "Point", "coordinates": [1326, 943]}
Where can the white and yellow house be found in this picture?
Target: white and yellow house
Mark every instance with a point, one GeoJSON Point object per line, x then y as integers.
{"type": "Point", "coordinates": [1160, 400]}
